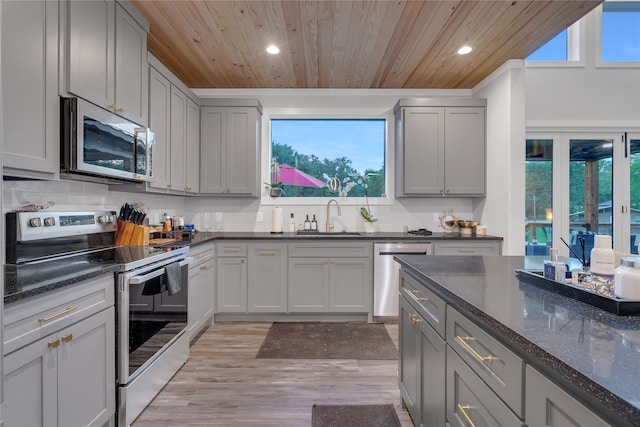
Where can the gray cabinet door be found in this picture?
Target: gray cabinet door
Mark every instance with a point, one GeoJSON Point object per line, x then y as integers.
{"type": "Point", "coordinates": [178, 143]}
{"type": "Point", "coordinates": [131, 77]}
{"type": "Point", "coordinates": [433, 359]}
{"type": "Point", "coordinates": [91, 44]}
{"type": "Point", "coordinates": [86, 371]}
{"type": "Point", "coordinates": [243, 150]}
{"type": "Point", "coordinates": [193, 148]}
{"type": "Point", "coordinates": [267, 287]}
{"type": "Point", "coordinates": [409, 360]}
{"type": "Point", "coordinates": [421, 156]}
{"type": "Point", "coordinates": [350, 285]}
{"type": "Point", "coordinates": [548, 405]}
{"type": "Point", "coordinates": [231, 295]}
{"type": "Point", "coordinates": [464, 162]}
{"type": "Point", "coordinates": [308, 285]}
{"type": "Point", "coordinates": [31, 115]}
{"type": "Point", "coordinates": [213, 130]}
{"type": "Point", "coordinates": [159, 121]}
{"type": "Point", "coordinates": [470, 401]}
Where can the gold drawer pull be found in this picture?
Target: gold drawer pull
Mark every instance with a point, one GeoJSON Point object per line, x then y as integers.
{"type": "Point", "coordinates": [62, 313]}
{"type": "Point", "coordinates": [414, 319]}
{"type": "Point", "coordinates": [463, 342]}
{"type": "Point", "coordinates": [67, 338]}
{"type": "Point", "coordinates": [463, 409]}
{"type": "Point", "coordinates": [54, 343]}
{"type": "Point", "coordinates": [413, 295]}
{"type": "Point", "coordinates": [266, 253]}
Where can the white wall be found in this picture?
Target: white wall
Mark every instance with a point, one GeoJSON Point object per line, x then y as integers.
{"type": "Point", "coordinates": [503, 209]}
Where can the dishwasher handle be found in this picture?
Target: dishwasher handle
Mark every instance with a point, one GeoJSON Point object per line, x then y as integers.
{"type": "Point", "coordinates": [403, 252]}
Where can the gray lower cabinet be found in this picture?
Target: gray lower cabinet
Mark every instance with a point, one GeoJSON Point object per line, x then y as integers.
{"type": "Point", "coordinates": [470, 401]}
{"type": "Point", "coordinates": [329, 277]}
{"type": "Point", "coordinates": [30, 89]}
{"type": "Point", "coordinates": [59, 366]}
{"type": "Point", "coordinates": [267, 281]}
{"type": "Point", "coordinates": [467, 247]}
{"type": "Point", "coordinates": [548, 405]}
{"type": "Point", "coordinates": [421, 377]}
{"type": "Point", "coordinates": [201, 288]}
{"type": "Point", "coordinates": [231, 277]}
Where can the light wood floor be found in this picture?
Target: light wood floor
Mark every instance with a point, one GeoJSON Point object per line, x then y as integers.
{"type": "Point", "coordinates": [223, 384]}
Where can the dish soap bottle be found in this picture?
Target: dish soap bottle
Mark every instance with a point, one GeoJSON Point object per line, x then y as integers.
{"type": "Point", "coordinates": [307, 223]}
{"type": "Point", "coordinates": [314, 224]}
{"type": "Point", "coordinates": [554, 269]}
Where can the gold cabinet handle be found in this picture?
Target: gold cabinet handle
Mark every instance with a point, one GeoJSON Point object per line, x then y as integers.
{"type": "Point", "coordinates": [414, 319]}
{"type": "Point", "coordinates": [120, 109]}
{"type": "Point", "coordinates": [54, 343]}
{"type": "Point", "coordinates": [62, 313]}
{"type": "Point", "coordinates": [111, 106]}
{"type": "Point", "coordinates": [242, 261]}
{"type": "Point", "coordinates": [413, 295]}
{"type": "Point", "coordinates": [464, 342]}
{"type": "Point", "coordinates": [267, 253]}
{"type": "Point", "coordinates": [67, 338]}
{"type": "Point", "coordinates": [463, 409]}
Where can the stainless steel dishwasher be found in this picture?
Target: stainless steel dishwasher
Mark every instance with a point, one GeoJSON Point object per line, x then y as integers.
{"type": "Point", "coordinates": [385, 274]}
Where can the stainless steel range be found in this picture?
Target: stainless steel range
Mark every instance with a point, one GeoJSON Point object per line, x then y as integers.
{"type": "Point", "coordinates": [50, 250]}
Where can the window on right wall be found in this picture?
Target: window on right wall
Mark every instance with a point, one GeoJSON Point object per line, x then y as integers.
{"type": "Point", "coordinates": [620, 32]}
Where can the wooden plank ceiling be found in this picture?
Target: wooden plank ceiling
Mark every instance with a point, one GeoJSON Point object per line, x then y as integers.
{"type": "Point", "coordinates": [349, 44]}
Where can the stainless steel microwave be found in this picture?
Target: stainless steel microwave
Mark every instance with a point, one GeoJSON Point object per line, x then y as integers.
{"type": "Point", "coordinates": [97, 144]}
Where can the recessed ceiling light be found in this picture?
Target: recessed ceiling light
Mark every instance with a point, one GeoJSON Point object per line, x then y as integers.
{"type": "Point", "coordinates": [464, 50]}
{"type": "Point", "coordinates": [273, 49]}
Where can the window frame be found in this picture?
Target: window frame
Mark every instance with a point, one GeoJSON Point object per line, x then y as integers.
{"type": "Point", "coordinates": [599, 63]}
{"type": "Point", "coordinates": [575, 49]}
{"type": "Point", "coordinates": [326, 113]}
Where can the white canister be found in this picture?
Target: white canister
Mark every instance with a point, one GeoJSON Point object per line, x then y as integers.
{"type": "Point", "coordinates": [602, 256]}
{"type": "Point", "coordinates": [627, 278]}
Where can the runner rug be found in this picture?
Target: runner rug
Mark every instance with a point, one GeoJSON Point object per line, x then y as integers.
{"type": "Point", "coordinates": [354, 416]}
{"type": "Point", "coordinates": [328, 340]}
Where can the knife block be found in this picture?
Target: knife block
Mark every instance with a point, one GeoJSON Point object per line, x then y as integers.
{"type": "Point", "coordinates": [130, 234]}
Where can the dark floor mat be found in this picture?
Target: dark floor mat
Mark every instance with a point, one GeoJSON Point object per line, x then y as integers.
{"type": "Point", "coordinates": [354, 416]}
{"type": "Point", "coordinates": [327, 340]}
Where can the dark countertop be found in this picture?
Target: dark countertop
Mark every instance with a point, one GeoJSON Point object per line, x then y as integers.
{"type": "Point", "coordinates": [379, 236]}
{"type": "Point", "coordinates": [591, 352]}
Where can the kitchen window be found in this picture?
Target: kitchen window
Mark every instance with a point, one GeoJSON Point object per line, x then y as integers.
{"type": "Point", "coordinates": [619, 33]}
{"type": "Point", "coordinates": [329, 157]}
{"type": "Point", "coordinates": [567, 48]}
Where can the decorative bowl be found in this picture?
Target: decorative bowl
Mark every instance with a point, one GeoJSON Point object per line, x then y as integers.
{"type": "Point", "coordinates": [467, 224]}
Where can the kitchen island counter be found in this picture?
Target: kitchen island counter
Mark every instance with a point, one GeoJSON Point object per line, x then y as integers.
{"type": "Point", "coordinates": [591, 353]}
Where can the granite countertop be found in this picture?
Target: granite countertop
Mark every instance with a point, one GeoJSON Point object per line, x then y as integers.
{"type": "Point", "coordinates": [593, 353]}
{"type": "Point", "coordinates": [378, 236]}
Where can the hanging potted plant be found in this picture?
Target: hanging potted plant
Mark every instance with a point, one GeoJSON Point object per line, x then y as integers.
{"type": "Point", "coordinates": [275, 186]}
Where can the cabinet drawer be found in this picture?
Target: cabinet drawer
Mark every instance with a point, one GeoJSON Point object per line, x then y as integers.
{"type": "Point", "coordinates": [431, 307]}
{"type": "Point", "coordinates": [546, 401]}
{"type": "Point", "coordinates": [330, 249]}
{"type": "Point", "coordinates": [228, 249]}
{"type": "Point", "coordinates": [27, 321]}
{"type": "Point", "coordinates": [498, 366]}
{"type": "Point", "coordinates": [470, 401]}
{"type": "Point", "coordinates": [466, 248]}
{"type": "Point", "coordinates": [201, 254]}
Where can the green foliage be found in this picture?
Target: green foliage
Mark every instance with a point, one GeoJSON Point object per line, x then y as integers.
{"type": "Point", "coordinates": [325, 169]}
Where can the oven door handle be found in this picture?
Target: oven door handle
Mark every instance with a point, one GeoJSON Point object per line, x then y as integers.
{"type": "Point", "coordinates": [136, 280]}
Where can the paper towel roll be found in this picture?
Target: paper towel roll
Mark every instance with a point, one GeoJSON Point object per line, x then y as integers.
{"type": "Point", "coordinates": [276, 220]}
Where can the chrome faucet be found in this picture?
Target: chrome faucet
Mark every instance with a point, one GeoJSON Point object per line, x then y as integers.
{"type": "Point", "coordinates": [328, 225]}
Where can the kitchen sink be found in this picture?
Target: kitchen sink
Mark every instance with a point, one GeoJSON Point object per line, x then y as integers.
{"type": "Point", "coordinates": [327, 234]}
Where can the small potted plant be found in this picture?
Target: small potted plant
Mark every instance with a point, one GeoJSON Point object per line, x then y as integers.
{"type": "Point", "coordinates": [275, 186]}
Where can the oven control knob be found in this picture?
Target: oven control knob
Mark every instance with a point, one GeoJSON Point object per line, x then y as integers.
{"type": "Point", "coordinates": [106, 219]}
{"type": "Point", "coordinates": [35, 222]}
{"type": "Point", "coordinates": [49, 221]}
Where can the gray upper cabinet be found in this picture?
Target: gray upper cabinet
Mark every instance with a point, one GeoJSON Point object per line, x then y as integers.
{"type": "Point", "coordinates": [30, 88]}
{"type": "Point", "coordinates": [192, 137]}
{"type": "Point", "coordinates": [106, 50]}
{"type": "Point", "coordinates": [230, 149]}
{"type": "Point", "coordinates": [440, 147]}
{"type": "Point", "coordinates": [178, 130]}
{"type": "Point", "coordinates": [159, 121]}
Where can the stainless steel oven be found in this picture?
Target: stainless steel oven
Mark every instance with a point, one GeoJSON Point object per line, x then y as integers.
{"type": "Point", "coordinates": [152, 307]}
